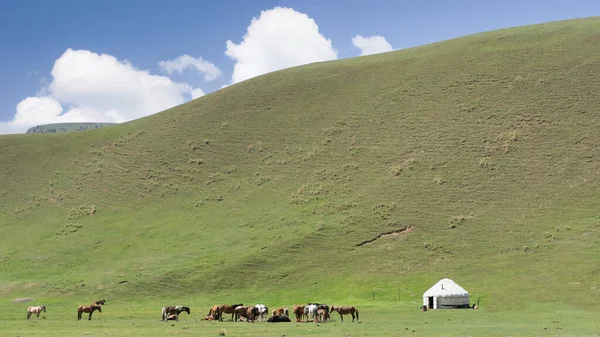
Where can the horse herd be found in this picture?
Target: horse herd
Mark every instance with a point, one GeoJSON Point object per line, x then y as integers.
{"type": "Point", "coordinates": [316, 312]}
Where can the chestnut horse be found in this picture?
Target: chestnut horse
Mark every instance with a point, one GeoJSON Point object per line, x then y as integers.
{"type": "Point", "coordinates": [87, 309]}
{"type": "Point", "coordinates": [298, 312]}
{"type": "Point", "coordinates": [99, 302]}
{"type": "Point", "coordinates": [226, 309]}
{"type": "Point", "coordinates": [344, 311]}
{"type": "Point", "coordinates": [35, 310]}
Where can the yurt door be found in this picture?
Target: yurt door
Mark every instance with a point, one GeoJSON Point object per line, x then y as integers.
{"type": "Point", "coordinates": [430, 298]}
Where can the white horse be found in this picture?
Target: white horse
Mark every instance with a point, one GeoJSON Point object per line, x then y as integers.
{"type": "Point", "coordinates": [35, 310]}
{"type": "Point", "coordinates": [313, 311]}
{"type": "Point", "coordinates": [262, 311]}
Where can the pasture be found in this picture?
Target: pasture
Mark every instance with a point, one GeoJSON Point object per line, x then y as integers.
{"type": "Point", "coordinates": [377, 319]}
{"type": "Point", "coordinates": [474, 159]}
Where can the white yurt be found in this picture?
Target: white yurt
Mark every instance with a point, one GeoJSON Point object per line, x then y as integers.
{"type": "Point", "coordinates": [446, 294]}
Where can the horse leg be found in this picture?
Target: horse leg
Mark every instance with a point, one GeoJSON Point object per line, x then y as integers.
{"type": "Point", "coordinates": [90, 317]}
{"type": "Point", "coordinates": [28, 315]}
{"type": "Point", "coordinates": [342, 316]}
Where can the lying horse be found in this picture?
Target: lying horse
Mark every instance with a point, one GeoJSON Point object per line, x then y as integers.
{"type": "Point", "coordinates": [173, 310]}
{"type": "Point", "coordinates": [344, 311]}
{"type": "Point", "coordinates": [226, 309]}
{"type": "Point", "coordinates": [99, 302]}
{"type": "Point", "coordinates": [87, 309]}
{"type": "Point", "coordinates": [35, 310]}
{"type": "Point", "coordinates": [173, 317]}
{"type": "Point", "coordinates": [277, 319]}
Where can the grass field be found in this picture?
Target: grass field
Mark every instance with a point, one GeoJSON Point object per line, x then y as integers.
{"type": "Point", "coordinates": [376, 319]}
{"type": "Point", "coordinates": [486, 146]}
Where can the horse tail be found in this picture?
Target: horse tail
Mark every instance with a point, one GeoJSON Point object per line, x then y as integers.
{"type": "Point", "coordinates": [357, 314]}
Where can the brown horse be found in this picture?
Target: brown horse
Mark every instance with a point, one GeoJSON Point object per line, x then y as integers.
{"type": "Point", "coordinates": [226, 309]}
{"type": "Point", "coordinates": [299, 312]}
{"type": "Point", "coordinates": [35, 310]}
{"type": "Point", "coordinates": [87, 309]}
{"type": "Point", "coordinates": [344, 311]}
{"type": "Point", "coordinates": [241, 311]}
{"type": "Point", "coordinates": [99, 302]}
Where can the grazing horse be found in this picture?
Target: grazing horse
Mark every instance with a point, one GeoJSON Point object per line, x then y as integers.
{"type": "Point", "coordinates": [312, 311]}
{"type": "Point", "coordinates": [87, 309]}
{"type": "Point", "coordinates": [262, 311]}
{"type": "Point", "coordinates": [226, 309]}
{"type": "Point", "coordinates": [323, 314]}
{"type": "Point", "coordinates": [345, 310]}
{"type": "Point", "coordinates": [252, 313]}
{"type": "Point", "coordinates": [214, 311]}
{"type": "Point", "coordinates": [173, 310]}
{"type": "Point", "coordinates": [99, 302]}
{"type": "Point", "coordinates": [298, 312]}
{"type": "Point", "coordinates": [35, 310]}
{"type": "Point", "coordinates": [241, 311]}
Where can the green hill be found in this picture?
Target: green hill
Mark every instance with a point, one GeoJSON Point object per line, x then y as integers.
{"type": "Point", "coordinates": [66, 127]}
{"type": "Point", "coordinates": [486, 146]}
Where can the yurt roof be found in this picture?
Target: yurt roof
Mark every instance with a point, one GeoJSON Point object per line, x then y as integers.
{"type": "Point", "coordinates": [446, 288]}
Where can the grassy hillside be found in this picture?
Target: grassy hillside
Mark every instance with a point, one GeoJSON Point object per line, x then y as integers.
{"type": "Point", "coordinates": [66, 127]}
{"type": "Point", "coordinates": [485, 146]}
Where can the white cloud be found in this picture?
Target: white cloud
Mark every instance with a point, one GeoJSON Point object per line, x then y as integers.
{"type": "Point", "coordinates": [183, 62]}
{"type": "Point", "coordinates": [197, 93]}
{"type": "Point", "coordinates": [371, 44]}
{"type": "Point", "coordinates": [280, 38]}
{"type": "Point", "coordinates": [90, 87]}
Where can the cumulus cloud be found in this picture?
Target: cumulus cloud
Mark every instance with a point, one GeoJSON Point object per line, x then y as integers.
{"type": "Point", "coordinates": [90, 87]}
{"type": "Point", "coordinates": [183, 62]}
{"type": "Point", "coordinates": [371, 44]}
{"type": "Point", "coordinates": [279, 38]}
{"type": "Point", "coordinates": [197, 93]}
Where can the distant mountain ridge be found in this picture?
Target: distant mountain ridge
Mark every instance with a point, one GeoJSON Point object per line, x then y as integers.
{"type": "Point", "coordinates": [66, 127]}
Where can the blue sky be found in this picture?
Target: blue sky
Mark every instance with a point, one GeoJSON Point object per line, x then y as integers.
{"type": "Point", "coordinates": [135, 36]}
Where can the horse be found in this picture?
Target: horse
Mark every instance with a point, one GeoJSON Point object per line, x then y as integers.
{"type": "Point", "coordinates": [226, 309]}
{"type": "Point", "coordinates": [241, 311]}
{"type": "Point", "coordinates": [281, 312]}
{"type": "Point", "coordinates": [173, 310]}
{"type": "Point", "coordinates": [312, 310]}
{"type": "Point", "coordinates": [173, 317]}
{"type": "Point", "coordinates": [345, 310]}
{"type": "Point", "coordinates": [277, 319]}
{"type": "Point", "coordinates": [323, 314]}
{"type": "Point", "coordinates": [262, 311]}
{"type": "Point", "coordinates": [252, 313]}
{"type": "Point", "coordinates": [35, 310]}
{"type": "Point", "coordinates": [87, 309]}
{"type": "Point", "coordinates": [99, 302]}
{"type": "Point", "coordinates": [298, 312]}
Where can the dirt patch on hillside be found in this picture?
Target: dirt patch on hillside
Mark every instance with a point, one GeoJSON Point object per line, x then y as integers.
{"type": "Point", "coordinates": [22, 300]}
{"type": "Point", "coordinates": [404, 230]}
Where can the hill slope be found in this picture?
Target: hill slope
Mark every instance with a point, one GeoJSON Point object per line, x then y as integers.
{"type": "Point", "coordinates": [485, 146]}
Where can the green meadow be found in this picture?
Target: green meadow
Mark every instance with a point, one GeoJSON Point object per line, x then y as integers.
{"type": "Point", "coordinates": [481, 153]}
